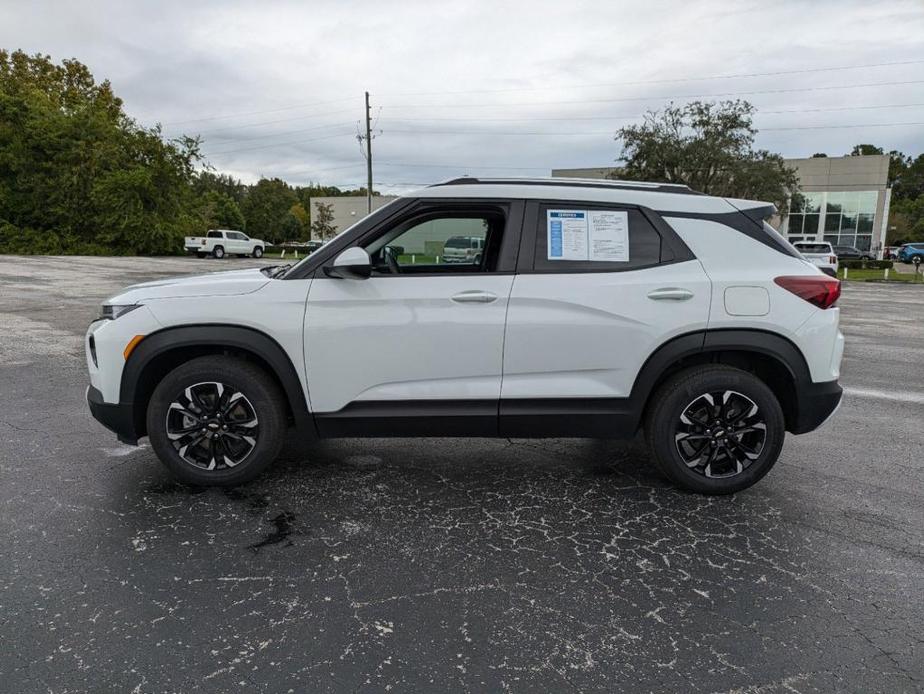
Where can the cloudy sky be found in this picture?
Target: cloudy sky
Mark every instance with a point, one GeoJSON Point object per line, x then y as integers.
{"type": "Point", "coordinates": [491, 88]}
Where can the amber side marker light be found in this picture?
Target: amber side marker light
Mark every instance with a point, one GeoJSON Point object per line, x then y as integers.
{"type": "Point", "coordinates": [130, 347]}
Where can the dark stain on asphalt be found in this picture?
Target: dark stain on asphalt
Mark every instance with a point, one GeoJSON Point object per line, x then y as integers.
{"type": "Point", "coordinates": [283, 528]}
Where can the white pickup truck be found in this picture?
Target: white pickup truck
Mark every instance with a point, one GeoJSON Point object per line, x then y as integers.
{"type": "Point", "coordinates": [222, 242]}
{"type": "Point", "coordinates": [820, 254]}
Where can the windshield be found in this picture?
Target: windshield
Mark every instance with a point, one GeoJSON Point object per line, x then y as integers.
{"type": "Point", "coordinates": [382, 212]}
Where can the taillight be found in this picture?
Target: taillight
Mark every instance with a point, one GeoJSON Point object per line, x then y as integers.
{"type": "Point", "coordinates": [832, 259]}
{"type": "Point", "coordinates": [822, 292]}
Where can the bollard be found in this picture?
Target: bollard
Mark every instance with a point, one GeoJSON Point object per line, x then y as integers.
{"type": "Point", "coordinates": [886, 274]}
{"type": "Point", "coordinates": [296, 254]}
{"type": "Point", "coordinates": [283, 254]}
{"type": "Point", "coordinates": [845, 273]}
{"type": "Point", "coordinates": [413, 259]}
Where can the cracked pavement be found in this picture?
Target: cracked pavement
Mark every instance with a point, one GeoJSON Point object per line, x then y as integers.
{"type": "Point", "coordinates": [442, 564]}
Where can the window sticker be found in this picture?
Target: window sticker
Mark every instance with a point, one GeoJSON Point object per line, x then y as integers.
{"type": "Point", "coordinates": [588, 235]}
{"type": "Point", "coordinates": [567, 232]}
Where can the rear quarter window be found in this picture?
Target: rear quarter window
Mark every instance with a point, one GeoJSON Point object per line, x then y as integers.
{"type": "Point", "coordinates": [645, 243]}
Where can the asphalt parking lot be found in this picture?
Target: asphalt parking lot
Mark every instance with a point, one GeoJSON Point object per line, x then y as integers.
{"type": "Point", "coordinates": [433, 565]}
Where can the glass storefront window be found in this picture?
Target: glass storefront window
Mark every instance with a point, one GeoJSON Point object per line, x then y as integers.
{"type": "Point", "coordinates": [849, 223]}
{"type": "Point", "coordinates": [851, 203]}
{"type": "Point", "coordinates": [845, 218]}
{"type": "Point", "coordinates": [868, 199]}
{"type": "Point", "coordinates": [811, 224]}
{"type": "Point", "coordinates": [813, 202]}
{"type": "Point", "coordinates": [835, 203]}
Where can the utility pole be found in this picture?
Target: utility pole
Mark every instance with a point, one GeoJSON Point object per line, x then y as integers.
{"type": "Point", "coordinates": [368, 156]}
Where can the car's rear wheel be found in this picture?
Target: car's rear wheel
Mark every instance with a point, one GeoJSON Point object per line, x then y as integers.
{"type": "Point", "coordinates": [218, 252]}
{"type": "Point", "coordinates": [216, 421]}
{"type": "Point", "coordinates": [257, 252]}
{"type": "Point", "coordinates": [715, 429]}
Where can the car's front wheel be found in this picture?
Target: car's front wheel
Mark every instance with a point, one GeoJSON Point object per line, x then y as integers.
{"type": "Point", "coordinates": [216, 421]}
{"type": "Point", "coordinates": [257, 252]}
{"type": "Point", "coordinates": [715, 429]}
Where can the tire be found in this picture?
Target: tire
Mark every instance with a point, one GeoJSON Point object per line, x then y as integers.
{"type": "Point", "coordinates": [239, 443]}
{"type": "Point", "coordinates": [257, 252]}
{"type": "Point", "coordinates": [724, 463]}
{"type": "Point", "coordinates": [218, 252]}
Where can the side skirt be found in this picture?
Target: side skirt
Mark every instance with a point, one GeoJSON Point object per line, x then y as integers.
{"type": "Point", "coordinates": [539, 418]}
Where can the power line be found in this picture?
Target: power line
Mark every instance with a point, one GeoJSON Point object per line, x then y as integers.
{"type": "Point", "coordinates": [523, 119]}
{"type": "Point", "coordinates": [610, 133]}
{"type": "Point", "coordinates": [669, 80]}
{"type": "Point", "coordinates": [285, 132]}
{"type": "Point", "coordinates": [666, 97]}
{"type": "Point", "coordinates": [516, 89]}
{"type": "Point", "coordinates": [275, 144]}
{"type": "Point", "coordinates": [257, 113]}
{"type": "Point", "coordinates": [280, 120]}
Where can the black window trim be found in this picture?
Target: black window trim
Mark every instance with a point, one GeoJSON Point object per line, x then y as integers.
{"type": "Point", "coordinates": [673, 249]}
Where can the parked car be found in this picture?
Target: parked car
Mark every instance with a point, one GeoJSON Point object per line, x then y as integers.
{"type": "Point", "coordinates": [851, 253]}
{"type": "Point", "coordinates": [820, 254]}
{"type": "Point", "coordinates": [909, 251]}
{"type": "Point", "coordinates": [464, 249]}
{"type": "Point", "coordinates": [891, 252]}
{"type": "Point", "coordinates": [222, 242]}
{"type": "Point", "coordinates": [600, 308]}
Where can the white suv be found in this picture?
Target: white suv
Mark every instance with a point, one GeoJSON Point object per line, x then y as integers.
{"type": "Point", "coordinates": [599, 308]}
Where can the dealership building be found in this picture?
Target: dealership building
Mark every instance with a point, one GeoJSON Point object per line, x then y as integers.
{"type": "Point", "coordinates": [845, 200]}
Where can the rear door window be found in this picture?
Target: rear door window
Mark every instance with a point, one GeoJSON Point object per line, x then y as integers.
{"type": "Point", "coordinates": [582, 237]}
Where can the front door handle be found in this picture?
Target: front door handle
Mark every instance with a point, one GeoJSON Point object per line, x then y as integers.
{"type": "Point", "coordinates": [670, 294]}
{"type": "Point", "coordinates": [474, 296]}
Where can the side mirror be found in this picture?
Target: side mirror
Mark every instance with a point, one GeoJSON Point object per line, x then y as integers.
{"type": "Point", "coordinates": [353, 263]}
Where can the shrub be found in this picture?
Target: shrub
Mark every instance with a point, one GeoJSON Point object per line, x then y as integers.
{"type": "Point", "coordinates": [866, 264]}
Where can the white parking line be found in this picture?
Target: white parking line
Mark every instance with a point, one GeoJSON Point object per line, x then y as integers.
{"type": "Point", "coordinates": [893, 395]}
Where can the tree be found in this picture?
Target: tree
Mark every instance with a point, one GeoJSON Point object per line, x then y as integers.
{"type": "Point", "coordinates": [708, 147]}
{"type": "Point", "coordinates": [322, 226]}
{"type": "Point", "coordinates": [266, 209]}
{"type": "Point", "coordinates": [77, 174]}
{"type": "Point", "coordinates": [220, 211]}
{"type": "Point", "coordinates": [864, 150]}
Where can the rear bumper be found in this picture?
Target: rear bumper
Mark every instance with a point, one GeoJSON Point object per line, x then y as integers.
{"type": "Point", "coordinates": [118, 418]}
{"type": "Point", "coordinates": [815, 403]}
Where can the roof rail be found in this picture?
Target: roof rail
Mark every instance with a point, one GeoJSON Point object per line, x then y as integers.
{"type": "Point", "coordinates": [612, 184]}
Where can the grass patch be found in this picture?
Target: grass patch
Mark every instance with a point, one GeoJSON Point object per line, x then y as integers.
{"type": "Point", "coordinates": [859, 275]}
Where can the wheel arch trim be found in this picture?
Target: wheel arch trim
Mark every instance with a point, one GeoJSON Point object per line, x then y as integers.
{"type": "Point", "coordinates": [773, 345]}
{"type": "Point", "coordinates": [216, 335]}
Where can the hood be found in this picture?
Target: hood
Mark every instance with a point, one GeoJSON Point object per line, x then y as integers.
{"type": "Point", "coordinates": [227, 283]}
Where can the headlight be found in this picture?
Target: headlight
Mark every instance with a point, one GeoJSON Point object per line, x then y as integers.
{"type": "Point", "coordinates": [113, 311]}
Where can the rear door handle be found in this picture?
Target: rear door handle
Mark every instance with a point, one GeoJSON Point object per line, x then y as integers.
{"type": "Point", "coordinates": [670, 294]}
{"type": "Point", "coordinates": [474, 296]}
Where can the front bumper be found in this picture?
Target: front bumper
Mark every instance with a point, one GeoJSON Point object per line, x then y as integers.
{"type": "Point", "coordinates": [815, 403]}
{"type": "Point", "coordinates": [118, 418]}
